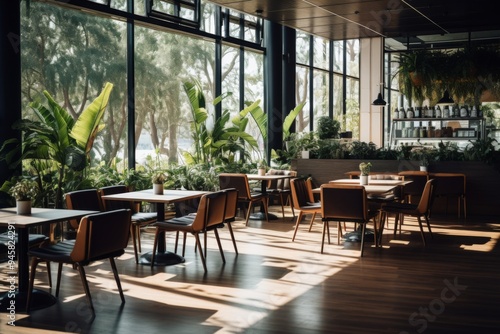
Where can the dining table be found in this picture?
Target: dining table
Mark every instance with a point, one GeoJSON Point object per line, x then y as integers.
{"type": "Point", "coordinates": [261, 215]}
{"type": "Point", "coordinates": [18, 230]}
{"type": "Point", "coordinates": [162, 256]}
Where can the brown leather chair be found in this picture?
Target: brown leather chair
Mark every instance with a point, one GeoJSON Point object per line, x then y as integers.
{"type": "Point", "coordinates": [92, 243]}
{"type": "Point", "coordinates": [419, 210]}
{"type": "Point", "coordinates": [416, 187]}
{"type": "Point", "coordinates": [301, 200]}
{"type": "Point", "coordinates": [281, 188]}
{"type": "Point", "coordinates": [239, 182]}
{"type": "Point", "coordinates": [210, 213]}
{"type": "Point", "coordinates": [345, 203]}
{"type": "Point", "coordinates": [86, 199]}
{"type": "Point", "coordinates": [139, 219]}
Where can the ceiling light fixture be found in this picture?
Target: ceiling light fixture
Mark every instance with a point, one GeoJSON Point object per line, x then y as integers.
{"type": "Point", "coordinates": [379, 101]}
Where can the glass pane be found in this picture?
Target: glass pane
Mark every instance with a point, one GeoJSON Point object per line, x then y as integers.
{"type": "Point", "coordinates": [321, 89]}
{"type": "Point", "coordinates": [338, 56]}
{"type": "Point", "coordinates": [207, 22]}
{"type": "Point", "coordinates": [230, 82]}
{"type": "Point", "coordinates": [163, 112]}
{"type": "Point", "coordinates": [234, 24]}
{"type": "Point", "coordinates": [254, 90]}
{"type": "Point", "coordinates": [302, 48]}
{"type": "Point", "coordinates": [338, 105]}
{"type": "Point", "coordinates": [74, 73]}
{"type": "Point", "coordinates": [302, 83]}
{"type": "Point", "coordinates": [352, 54]}
{"type": "Point", "coordinates": [321, 55]}
{"type": "Point", "coordinates": [352, 107]}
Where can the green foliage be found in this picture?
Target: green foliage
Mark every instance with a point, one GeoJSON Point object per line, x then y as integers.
{"type": "Point", "coordinates": [56, 143]}
{"type": "Point", "coordinates": [328, 127]}
{"type": "Point", "coordinates": [362, 150]}
{"type": "Point", "coordinates": [290, 119]}
{"type": "Point", "coordinates": [481, 150]}
{"type": "Point", "coordinates": [220, 144]}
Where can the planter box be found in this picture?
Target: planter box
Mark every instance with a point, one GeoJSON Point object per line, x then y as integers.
{"type": "Point", "coordinates": [482, 187]}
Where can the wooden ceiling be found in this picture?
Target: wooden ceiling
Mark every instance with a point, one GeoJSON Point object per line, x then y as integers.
{"type": "Point", "coordinates": [403, 21]}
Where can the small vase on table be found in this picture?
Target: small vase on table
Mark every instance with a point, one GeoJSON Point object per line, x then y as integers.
{"type": "Point", "coordinates": [23, 207]}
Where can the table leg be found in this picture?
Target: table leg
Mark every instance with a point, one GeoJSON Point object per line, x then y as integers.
{"type": "Point", "coordinates": [162, 256]}
{"type": "Point", "coordinates": [14, 300]}
{"type": "Point", "coordinates": [261, 215]}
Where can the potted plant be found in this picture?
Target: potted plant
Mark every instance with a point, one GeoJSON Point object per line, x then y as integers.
{"type": "Point", "coordinates": [158, 180]}
{"type": "Point", "coordinates": [328, 128]}
{"type": "Point", "coordinates": [364, 168]}
{"type": "Point", "coordinates": [24, 191]}
{"type": "Point", "coordinates": [261, 168]}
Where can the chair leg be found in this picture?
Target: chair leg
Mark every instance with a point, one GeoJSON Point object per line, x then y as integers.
{"type": "Point", "coordinates": [138, 235]}
{"type": "Point", "coordinates": [198, 244]}
{"type": "Point", "coordinates": [312, 221]}
{"type": "Point", "coordinates": [421, 229]}
{"type": "Point", "coordinates": [49, 273]}
{"type": "Point", "coordinates": [282, 202]}
{"type": "Point", "coordinates": [34, 263]}
{"type": "Point", "coordinates": [363, 229]}
{"type": "Point", "coordinates": [134, 240]}
{"type": "Point", "coordinates": [117, 278]}
{"type": "Point", "coordinates": [83, 277]}
{"type": "Point", "coordinates": [219, 244]}
{"type": "Point", "coordinates": [428, 226]}
{"type": "Point", "coordinates": [325, 227]}
{"type": "Point", "coordinates": [232, 237]}
{"type": "Point", "coordinates": [264, 202]}
{"type": "Point", "coordinates": [58, 282]}
{"type": "Point", "coordinates": [249, 210]}
{"type": "Point", "coordinates": [299, 218]}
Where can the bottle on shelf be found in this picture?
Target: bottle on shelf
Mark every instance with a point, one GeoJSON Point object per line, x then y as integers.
{"type": "Point", "coordinates": [402, 113]}
{"type": "Point", "coordinates": [410, 113]}
{"type": "Point", "coordinates": [425, 112]}
{"type": "Point", "coordinates": [437, 112]}
{"type": "Point", "coordinates": [473, 112]}
{"type": "Point", "coordinates": [417, 112]}
{"type": "Point", "coordinates": [463, 111]}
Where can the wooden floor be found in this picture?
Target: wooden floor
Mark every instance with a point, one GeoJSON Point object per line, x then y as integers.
{"type": "Point", "coordinates": [277, 286]}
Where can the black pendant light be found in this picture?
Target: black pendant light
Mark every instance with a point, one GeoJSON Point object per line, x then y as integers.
{"type": "Point", "coordinates": [379, 101]}
{"type": "Point", "coordinates": [446, 99]}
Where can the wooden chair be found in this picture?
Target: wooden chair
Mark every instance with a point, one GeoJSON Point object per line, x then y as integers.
{"type": "Point", "coordinates": [451, 185]}
{"type": "Point", "coordinates": [345, 203]}
{"type": "Point", "coordinates": [210, 213]}
{"type": "Point", "coordinates": [245, 196]}
{"type": "Point", "coordinates": [419, 210]}
{"type": "Point", "coordinates": [86, 199]}
{"type": "Point", "coordinates": [139, 219]}
{"type": "Point", "coordinates": [416, 187]}
{"type": "Point", "coordinates": [93, 242]}
{"type": "Point", "coordinates": [281, 188]}
{"type": "Point", "coordinates": [301, 200]}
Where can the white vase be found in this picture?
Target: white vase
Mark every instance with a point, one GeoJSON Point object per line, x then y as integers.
{"type": "Point", "coordinates": [305, 154]}
{"type": "Point", "coordinates": [363, 180]}
{"type": "Point", "coordinates": [158, 188]}
{"type": "Point", "coordinates": [262, 171]}
{"type": "Point", "coordinates": [23, 207]}
{"type": "Point", "coordinates": [423, 168]}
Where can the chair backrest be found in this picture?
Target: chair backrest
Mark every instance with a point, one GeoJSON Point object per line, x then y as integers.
{"type": "Point", "coordinates": [418, 178]}
{"type": "Point", "coordinates": [115, 205]}
{"type": "Point", "coordinates": [310, 187]}
{"type": "Point", "coordinates": [426, 198]}
{"type": "Point", "coordinates": [449, 184]}
{"type": "Point", "coordinates": [300, 194]}
{"type": "Point", "coordinates": [102, 235]}
{"type": "Point", "coordinates": [87, 199]}
{"type": "Point", "coordinates": [237, 181]}
{"type": "Point", "coordinates": [281, 184]}
{"type": "Point", "coordinates": [343, 202]}
{"type": "Point", "coordinates": [211, 210]}
{"type": "Point", "coordinates": [231, 204]}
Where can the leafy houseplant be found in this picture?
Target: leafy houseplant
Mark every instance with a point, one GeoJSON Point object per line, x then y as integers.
{"type": "Point", "coordinates": [328, 128]}
{"type": "Point", "coordinates": [364, 168]}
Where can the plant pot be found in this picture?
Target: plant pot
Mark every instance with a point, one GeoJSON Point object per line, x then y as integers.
{"type": "Point", "coordinates": [158, 188]}
{"type": "Point", "coordinates": [363, 180]}
{"type": "Point", "coordinates": [261, 171]}
{"type": "Point", "coordinates": [423, 168]}
{"type": "Point", "coordinates": [23, 207]}
{"type": "Point", "coordinates": [304, 154]}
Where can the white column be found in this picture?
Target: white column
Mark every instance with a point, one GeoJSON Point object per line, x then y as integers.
{"type": "Point", "coordinates": [371, 76]}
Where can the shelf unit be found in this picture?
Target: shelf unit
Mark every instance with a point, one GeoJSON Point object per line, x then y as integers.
{"type": "Point", "coordinates": [460, 130]}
